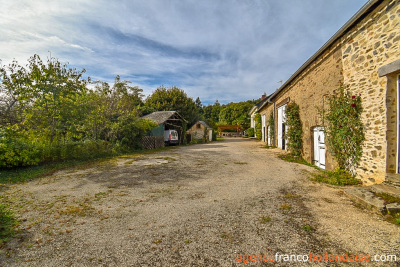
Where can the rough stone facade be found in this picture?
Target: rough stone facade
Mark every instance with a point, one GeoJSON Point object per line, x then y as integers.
{"type": "Point", "coordinates": [353, 60]}
{"type": "Point", "coordinates": [373, 43]}
{"type": "Point", "coordinates": [198, 131]}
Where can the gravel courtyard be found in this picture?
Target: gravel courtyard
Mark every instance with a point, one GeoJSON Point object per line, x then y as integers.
{"type": "Point", "coordinates": [198, 205]}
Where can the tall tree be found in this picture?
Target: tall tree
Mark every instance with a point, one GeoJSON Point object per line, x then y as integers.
{"type": "Point", "coordinates": [163, 99]}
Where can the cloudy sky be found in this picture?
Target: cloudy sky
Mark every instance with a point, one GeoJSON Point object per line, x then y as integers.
{"type": "Point", "coordinates": [230, 50]}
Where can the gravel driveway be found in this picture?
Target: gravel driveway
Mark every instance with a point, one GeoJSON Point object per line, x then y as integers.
{"type": "Point", "coordinates": [199, 205]}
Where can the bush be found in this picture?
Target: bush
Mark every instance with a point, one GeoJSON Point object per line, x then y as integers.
{"type": "Point", "coordinates": [345, 130]}
{"type": "Point", "coordinates": [250, 132]}
{"type": "Point", "coordinates": [17, 150]}
{"type": "Point", "coordinates": [258, 126]}
{"type": "Point", "coordinates": [295, 129]}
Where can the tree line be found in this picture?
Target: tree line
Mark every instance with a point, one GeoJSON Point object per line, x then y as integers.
{"type": "Point", "coordinates": [50, 112]}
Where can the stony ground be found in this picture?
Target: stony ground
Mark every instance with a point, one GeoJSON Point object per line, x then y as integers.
{"type": "Point", "coordinates": [199, 205]}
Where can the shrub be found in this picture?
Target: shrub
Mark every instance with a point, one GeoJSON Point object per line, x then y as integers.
{"type": "Point", "coordinates": [271, 123]}
{"type": "Point", "coordinates": [258, 126]}
{"type": "Point", "coordinates": [345, 131]}
{"type": "Point", "coordinates": [17, 150]}
{"type": "Point", "coordinates": [250, 132]}
{"type": "Point", "coordinates": [295, 129]}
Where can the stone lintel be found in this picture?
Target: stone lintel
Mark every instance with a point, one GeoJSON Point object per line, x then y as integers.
{"type": "Point", "coordinates": [389, 68]}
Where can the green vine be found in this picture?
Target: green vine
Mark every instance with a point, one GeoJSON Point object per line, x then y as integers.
{"type": "Point", "coordinates": [345, 130]}
{"type": "Point", "coordinates": [295, 129]}
{"type": "Point", "coordinates": [271, 123]}
{"type": "Point", "coordinates": [258, 126]}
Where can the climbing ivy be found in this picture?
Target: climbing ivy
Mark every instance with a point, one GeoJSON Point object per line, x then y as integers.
{"type": "Point", "coordinates": [257, 118]}
{"type": "Point", "coordinates": [271, 123]}
{"type": "Point", "coordinates": [295, 129]}
{"type": "Point", "coordinates": [345, 130]}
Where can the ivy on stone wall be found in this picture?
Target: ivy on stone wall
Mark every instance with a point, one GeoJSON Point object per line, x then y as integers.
{"type": "Point", "coordinates": [271, 123]}
{"type": "Point", "coordinates": [257, 118]}
{"type": "Point", "coordinates": [345, 130]}
{"type": "Point", "coordinates": [295, 129]}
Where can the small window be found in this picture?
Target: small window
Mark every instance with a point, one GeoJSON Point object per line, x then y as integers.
{"type": "Point", "coordinates": [198, 126]}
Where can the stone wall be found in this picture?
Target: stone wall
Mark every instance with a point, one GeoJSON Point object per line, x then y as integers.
{"type": "Point", "coordinates": [353, 61]}
{"type": "Point", "coordinates": [197, 133]}
{"type": "Point", "coordinates": [372, 43]}
{"type": "Point", "coordinates": [309, 91]}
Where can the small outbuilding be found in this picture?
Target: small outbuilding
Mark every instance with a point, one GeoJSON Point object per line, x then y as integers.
{"type": "Point", "coordinates": [200, 130]}
{"type": "Point", "coordinates": [166, 120]}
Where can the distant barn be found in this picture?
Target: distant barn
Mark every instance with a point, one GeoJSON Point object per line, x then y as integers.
{"type": "Point", "coordinates": [166, 120]}
{"type": "Point", "coordinates": [200, 130]}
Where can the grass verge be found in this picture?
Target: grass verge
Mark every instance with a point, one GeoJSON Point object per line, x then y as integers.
{"type": "Point", "coordinates": [291, 158]}
{"type": "Point", "coordinates": [7, 224]}
{"type": "Point", "coordinates": [23, 174]}
{"type": "Point", "coordinates": [336, 177]}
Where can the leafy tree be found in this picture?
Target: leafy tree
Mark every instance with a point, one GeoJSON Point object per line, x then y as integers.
{"type": "Point", "coordinates": [163, 99]}
{"type": "Point", "coordinates": [199, 106]}
{"type": "Point", "coordinates": [52, 90]}
{"type": "Point", "coordinates": [236, 114]}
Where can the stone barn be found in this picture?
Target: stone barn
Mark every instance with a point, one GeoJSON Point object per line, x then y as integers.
{"type": "Point", "coordinates": [201, 130]}
{"type": "Point", "coordinates": [364, 57]}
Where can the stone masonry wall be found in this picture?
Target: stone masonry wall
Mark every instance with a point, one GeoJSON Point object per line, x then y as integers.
{"type": "Point", "coordinates": [353, 60]}
{"type": "Point", "coordinates": [309, 91]}
{"type": "Point", "coordinates": [372, 43]}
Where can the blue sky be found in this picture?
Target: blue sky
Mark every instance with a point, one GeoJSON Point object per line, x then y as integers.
{"type": "Point", "coordinates": [230, 50]}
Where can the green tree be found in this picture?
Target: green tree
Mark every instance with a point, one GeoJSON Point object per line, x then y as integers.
{"type": "Point", "coordinates": [53, 90]}
{"type": "Point", "coordinates": [163, 99]}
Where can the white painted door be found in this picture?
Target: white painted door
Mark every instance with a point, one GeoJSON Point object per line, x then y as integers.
{"type": "Point", "coordinates": [269, 135]}
{"type": "Point", "coordinates": [319, 147]}
{"type": "Point", "coordinates": [282, 127]}
{"type": "Point", "coordinates": [263, 127]}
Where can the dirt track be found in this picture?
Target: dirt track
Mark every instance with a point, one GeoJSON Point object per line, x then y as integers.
{"type": "Point", "coordinates": [199, 205]}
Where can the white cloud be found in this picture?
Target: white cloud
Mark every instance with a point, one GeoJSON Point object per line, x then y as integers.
{"type": "Point", "coordinates": [228, 50]}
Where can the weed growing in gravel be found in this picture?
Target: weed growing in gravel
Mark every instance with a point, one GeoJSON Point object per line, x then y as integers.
{"type": "Point", "coordinates": [187, 241]}
{"type": "Point", "coordinates": [308, 228]}
{"type": "Point", "coordinates": [240, 162]}
{"type": "Point", "coordinates": [158, 241]}
{"type": "Point", "coordinates": [290, 196]}
{"type": "Point", "coordinates": [335, 177]}
{"type": "Point", "coordinates": [285, 206]}
{"type": "Point", "coordinates": [397, 220]}
{"type": "Point", "coordinates": [388, 198]}
{"type": "Point", "coordinates": [291, 158]}
{"type": "Point", "coordinates": [81, 210]}
{"type": "Point", "coordinates": [225, 235]}
{"type": "Point", "coordinates": [264, 219]}
{"type": "Point", "coordinates": [7, 223]}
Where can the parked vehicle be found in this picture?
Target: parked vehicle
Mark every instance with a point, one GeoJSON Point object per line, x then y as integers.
{"type": "Point", "coordinates": [171, 137]}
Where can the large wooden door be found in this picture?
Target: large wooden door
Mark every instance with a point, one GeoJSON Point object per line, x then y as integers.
{"type": "Point", "coordinates": [319, 147]}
